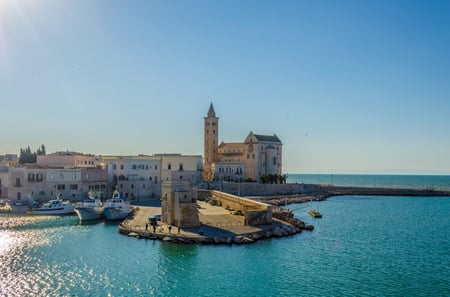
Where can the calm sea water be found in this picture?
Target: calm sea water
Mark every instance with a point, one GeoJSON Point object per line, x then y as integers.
{"type": "Point", "coordinates": [437, 182]}
{"type": "Point", "coordinates": [363, 246]}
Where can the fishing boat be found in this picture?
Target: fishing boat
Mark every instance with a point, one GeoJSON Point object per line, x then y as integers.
{"type": "Point", "coordinates": [116, 208]}
{"type": "Point", "coordinates": [90, 208]}
{"type": "Point", "coordinates": [54, 207]}
{"type": "Point", "coordinates": [314, 213]}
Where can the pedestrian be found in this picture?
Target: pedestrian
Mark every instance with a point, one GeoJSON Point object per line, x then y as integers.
{"type": "Point", "coordinates": [154, 228]}
{"type": "Point", "coordinates": [146, 227]}
{"type": "Point", "coordinates": [178, 229]}
{"type": "Point", "coordinates": [170, 228]}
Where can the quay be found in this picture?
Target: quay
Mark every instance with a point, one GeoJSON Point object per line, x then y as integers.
{"type": "Point", "coordinates": [218, 226]}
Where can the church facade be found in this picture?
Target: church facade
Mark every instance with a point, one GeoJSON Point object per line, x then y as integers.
{"type": "Point", "coordinates": [258, 155]}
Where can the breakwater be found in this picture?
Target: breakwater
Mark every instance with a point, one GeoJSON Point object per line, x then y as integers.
{"type": "Point", "coordinates": [322, 192]}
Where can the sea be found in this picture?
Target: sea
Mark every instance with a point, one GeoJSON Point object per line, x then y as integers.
{"type": "Point", "coordinates": [362, 246]}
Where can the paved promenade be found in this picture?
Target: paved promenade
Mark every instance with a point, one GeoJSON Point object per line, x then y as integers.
{"type": "Point", "coordinates": [217, 224]}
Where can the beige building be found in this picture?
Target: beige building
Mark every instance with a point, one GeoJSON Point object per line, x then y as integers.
{"type": "Point", "coordinates": [42, 182]}
{"type": "Point", "coordinates": [68, 160]}
{"type": "Point", "coordinates": [258, 155]}
{"type": "Point", "coordinates": [141, 176]}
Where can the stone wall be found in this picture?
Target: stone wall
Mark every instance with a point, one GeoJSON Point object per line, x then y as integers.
{"type": "Point", "coordinates": [255, 212]}
{"type": "Point", "coordinates": [257, 189]}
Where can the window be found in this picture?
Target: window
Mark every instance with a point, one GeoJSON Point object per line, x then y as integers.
{"type": "Point", "coordinates": [143, 186]}
{"type": "Point", "coordinates": [181, 167]}
{"type": "Point", "coordinates": [74, 187]}
{"type": "Point", "coordinates": [132, 186]}
{"type": "Point", "coordinates": [87, 175]}
{"type": "Point", "coordinates": [156, 179]}
{"type": "Point", "coordinates": [114, 166]}
{"type": "Point", "coordinates": [61, 187]}
{"type": "Point", "coordinates": [121, 166]}
{"type": "Point", "coordinates": [74, 176]}
{"type": "Point", "coordinates": [52, 176]}
{"type": "Point", "coordinates": [150, 178]}
{"type": "Point", "coordinates": [181, 177]}
{"type": "Point", "coordinates": [17, 182]}
{"type": "Point", "coordinates": [169, 166]}
{"type": "Point", "coordinates": [61, 176]}
{"type": "Point", "coordinates": [133, 166]}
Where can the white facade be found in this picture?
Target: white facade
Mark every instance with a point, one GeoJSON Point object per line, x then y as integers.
{"type": "Point", "coordinates": [141, 176]}
{"type": "Point", "coordinates": [135, 176]}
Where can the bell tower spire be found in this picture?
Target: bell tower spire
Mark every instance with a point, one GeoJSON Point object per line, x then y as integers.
{"type": "Point", "coordinates": [211, 112]}
{"type": "Point", "coordinates": [211, 138]}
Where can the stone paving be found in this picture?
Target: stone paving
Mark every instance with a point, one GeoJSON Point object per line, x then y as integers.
{"type": "Point", "coordinates": [215, 222]}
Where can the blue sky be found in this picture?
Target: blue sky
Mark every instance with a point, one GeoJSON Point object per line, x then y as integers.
{"type": "Point", "coordinates": [348, 86]}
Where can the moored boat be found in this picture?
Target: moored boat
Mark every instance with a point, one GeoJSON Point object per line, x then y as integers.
{"type": "Point", "coordinates": [314, 213]}
{"type": "Point", "coordinates": [54, 207]}
{"type": "Point", "coordinates": [116, 208]}
{"type": "Point", "coordinates": [89, 209]}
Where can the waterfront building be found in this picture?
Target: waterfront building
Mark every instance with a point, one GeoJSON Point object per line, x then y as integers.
{"type": "Point", "coordinates": [258, 155]}
{"type": "Point", "coordinates": [4, 181]}
{"type": "Point", "coordinates": [42, 182]}
{"type": "Point", "coordinates": [141, 176]}
{"type": "Point", "coordinates": [134, 176]}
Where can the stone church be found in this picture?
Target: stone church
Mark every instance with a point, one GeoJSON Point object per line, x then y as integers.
{"type": "Point", "coordinates": [258, 155]}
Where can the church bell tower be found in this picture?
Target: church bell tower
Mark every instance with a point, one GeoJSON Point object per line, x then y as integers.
{"type": "Point", "coordinates": [211, 137]}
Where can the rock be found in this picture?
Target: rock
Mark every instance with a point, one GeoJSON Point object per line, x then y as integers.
{"type": "Point", "coordinates": [167, 239]}
{"type": "Point", "coordinates": [133, 234]}
{"type": "Point", "coordinates": [238, 239]}
{"type": "Point", "coordinates": [308, 227]}
{"type": "Point", "coordinates": [247, 240]}
{"type": "Point", "coordinates": [278, 232]}
{"type": "Point", "coordinates": [257, 236]}
{"type": "Point", "coordinates": [219, 240]}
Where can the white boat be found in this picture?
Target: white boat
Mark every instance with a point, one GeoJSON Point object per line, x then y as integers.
{"type": "Point", "coordinates": [54, 207]}
{"type": "Point", "coordinates": [89, 209]}
{"type": "Point", "coordinates": [116, 208]}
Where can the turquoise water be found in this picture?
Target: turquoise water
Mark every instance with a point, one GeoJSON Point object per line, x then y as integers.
{"type": "Point", "coordinates": [437, 182]}
{"type": "Point", "coordinates": [363, 246]}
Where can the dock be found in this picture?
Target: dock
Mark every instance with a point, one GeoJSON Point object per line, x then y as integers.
{"type": "Point", "coordinates": [218, 226]}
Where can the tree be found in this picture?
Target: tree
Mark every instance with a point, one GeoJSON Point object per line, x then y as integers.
{"type": "Point", "coordinates": [41, 150]}
{"type": "Point", "coordinates": [26, 156]}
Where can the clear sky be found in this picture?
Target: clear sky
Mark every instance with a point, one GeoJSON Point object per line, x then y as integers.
{"type": "Point", "coordinates": [348, 86]}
